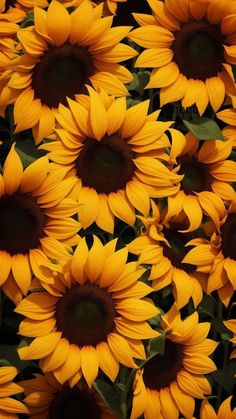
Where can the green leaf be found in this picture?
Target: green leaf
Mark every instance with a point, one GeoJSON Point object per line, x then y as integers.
{"type": "Point", "coordinates": [225, 377]}
{"type": "Point", "coordinates": [109, 396]}
{"type": "Point", "coordinates": [139, 81]}
{"type": "Point", "coordinates": [28, 20]}
{"type": "Point", "coordinates": [28, 151]}
{"type": "Point", "coordinates": [157, 345]}
{"type": "Point", "coordinates": [207, 305]}
{"type": "Point", "coordinates": [204, 128]}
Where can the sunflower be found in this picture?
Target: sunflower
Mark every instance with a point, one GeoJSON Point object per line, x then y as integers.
{"type": "Point", "coordinates": [35, 223]}
{"type": "Point", "coordinates": [206, 182]}
{"type": "Point", "coordinates": [97, 320]}
{"type": "Point", "coordinates": [163, 247]}
{"type": "Point", "coordinates": [115, 155]}
{"type": "Point", "coordinates": [168, 383]}
{"type": "Point", "coordinates": [207, 411]}
{"type": "Point", "coordinates": [61, 53]}
{"type": "Point", "coordinates": [191, 48]}
{"type": "Point", "coordinates": [231, 325]}
{"type": "Point", "coordinates": [9, 407]}
{"type": "Point", "coordinates": [229, 132]}
{"type": "Point", "coordinates": [47, 398]}
{"type": "Point", "coordinates": [217, 257]}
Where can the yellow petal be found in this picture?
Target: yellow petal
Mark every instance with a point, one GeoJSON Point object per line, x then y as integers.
{"type": "Point", "coordinates": [5, 266]}
{"type": "Point", "coordinates": [95, 261]}
{"type": "Point", "coordinates": [163, 76]}
{"type": "Point", "coordinates": [12, 165]}
{"type": "Point", "coordinates": [108, 364]}
{"type": "Point", "coordinates": [134, 330]}
{"type": "Point", "coordinates": [40, 347]}
{"type": "Point", "coordinates": [21, 271]}
{"type": "Point", "coordinates": [115, 115]}
{"type": "Point", "coordinates": [134, 119]}
{"type": "Point", "coordinates": [121, 350]}
{"type": "Point", "coordinates": [34, 175]}
{"type": "Point", "coordinates": [97, 115]}
{"type": "Point", "coordinates": [89, 364]}
{"type": "Point", "coordinates": [136, 310]}
{"type": "Point", "coordinates": [58, 23]}
{"type": "Point", "coordinates": [121, 208]}
{"type": "Point", "coordinates": [184, 402]}
{"type": "Point", "coordinates": [216, 91]}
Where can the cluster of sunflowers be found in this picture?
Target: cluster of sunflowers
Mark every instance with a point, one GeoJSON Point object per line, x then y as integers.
{"type": "Point", "coordinates": [117, 209]}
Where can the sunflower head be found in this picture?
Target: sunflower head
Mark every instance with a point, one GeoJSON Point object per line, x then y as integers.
{"type": "Point", "coordinates": [35, 222]}
{"type": "Point", "coordinates": [59, 54]}
{"type": "Point", "coordinates": [169, 382]}
{"type": "Point", "coordinates": [93, 314]}
{"type": "Point", "coordinates": [59, 401]}
{"type": "Point", "coordinates": [191, 50]}
{"type": "Point", "coordinates": [117, 154]}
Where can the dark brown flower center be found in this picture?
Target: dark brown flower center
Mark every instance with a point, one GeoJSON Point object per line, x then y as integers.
{"type": "Point", "coordinates": [72, 403]}
{"type": "Point", "coordinates": [105, 165]}
{"type": "Point", "coordinates": [85, 314]}
{"type": "Point", "coordinates": [62, 72]}
{"type": "Point", "coordinates": [198, 50]}
{"type": "Point", "coordinates": [124, 12]}
{"type": "Point", "coordinates": [196, 175]}
{"type": "Point", "coordinates": [177, 241]}
{"type": "Point", "coordinates": [228, 236]}
{"type": "Point", "coordinates": [161, 370]}
{"type": "Point", "coordinates": [22, 223]}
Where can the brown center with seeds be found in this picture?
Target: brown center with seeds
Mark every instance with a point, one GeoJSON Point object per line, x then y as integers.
{"type": "Point", "coordinates": [71, 403]}
{"type": "Point", "coordinates": [62, 72]}
{"type": "Point", "coordinates": [105, 165]}
{"type": "Point", "coordinates": [161, 370]}
{"type": "Point", "coordinates": [228, 236]}
{"type": "Point", "coordinates": [22, 223]}
{"type": "Point", "coordinates": [196, 175]}
{"type": "Point", "coordinates": [86, 314]}
{"type": "Point", "coordinates": [198, 50]}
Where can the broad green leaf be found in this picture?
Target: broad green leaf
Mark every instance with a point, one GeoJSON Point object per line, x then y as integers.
{"type": "Point", "coordinates": [110, 396]}
{"type": "Point", "coordinates": [204, 128]}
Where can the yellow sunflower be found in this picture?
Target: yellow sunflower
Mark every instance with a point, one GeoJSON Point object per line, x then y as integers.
{"type": "Point", "coordinates": [97, 320]}
{"type": "Point", "coordinates": [231, 325]}
{"type": "Point", "coordinates": [229, 132]}
{"type": "Point", "coordinates": [169, 383]}
{"type": "Point", "coordinates": [224, 412]}
{"type": "Point", "coordinates": [217, 257]}
{"type": "Point", "coordinates": [116, 156]}
{"type": "Point", "coordinates": [61, 53]}
{"type": "Point", "coordinates": [35, 222]}
{"type": "Point", "coordinates": [207, 178]}
{"type": "Point", "coordinates": [47, 398]}
{"type": "Point", "coordinates": [191, 48]}
{"type": "Point", "coordinates": [9, 407]}
{"type": "Point", "coordinates": [163, 246]}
